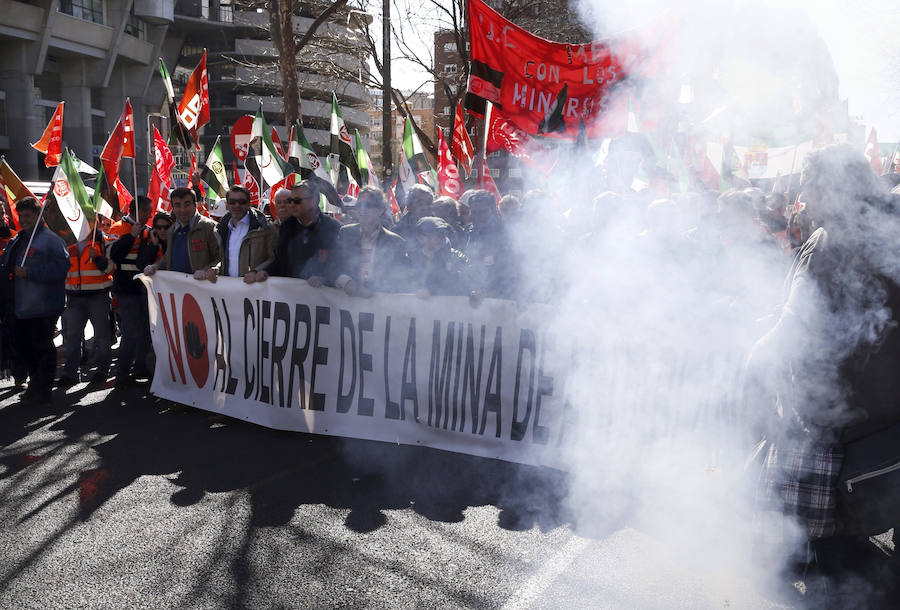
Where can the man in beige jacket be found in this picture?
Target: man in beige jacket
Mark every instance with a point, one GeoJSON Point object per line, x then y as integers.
{"type": "Point", "coordinates": [247, 240]}
{"type": "Point", "coordinates": [193, 246]}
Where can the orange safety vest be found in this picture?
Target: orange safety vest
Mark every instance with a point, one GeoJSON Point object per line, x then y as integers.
{"type": "Point", "coordinates": [83, 273]}
{"type": "Point", "coordinates": [119, 229]}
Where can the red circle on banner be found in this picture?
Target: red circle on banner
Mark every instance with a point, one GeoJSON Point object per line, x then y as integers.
{"type": "Point", "coordinates": [240, 136]}
{"type": "Point", "coordinates": [196, 339]}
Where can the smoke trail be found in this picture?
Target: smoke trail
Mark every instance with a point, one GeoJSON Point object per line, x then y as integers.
{"type": "Point", "coordinates": [659, 305]}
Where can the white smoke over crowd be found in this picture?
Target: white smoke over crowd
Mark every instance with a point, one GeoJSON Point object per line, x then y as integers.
{"type": "Point", "coordinates": [660, 304]}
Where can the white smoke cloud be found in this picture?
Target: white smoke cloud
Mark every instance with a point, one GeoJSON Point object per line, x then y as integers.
{"type": "Point", "coordinates": [660, 305]}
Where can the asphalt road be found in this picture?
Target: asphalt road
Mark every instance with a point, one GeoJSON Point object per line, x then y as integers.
{"type": "Point", "coordinates": [117, 499]}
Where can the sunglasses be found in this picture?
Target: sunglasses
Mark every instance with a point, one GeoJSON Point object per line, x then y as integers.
{"type": "Point", "coordinates": [237, 202]}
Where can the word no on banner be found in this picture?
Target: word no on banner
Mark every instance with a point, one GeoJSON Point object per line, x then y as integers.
{"type": "Point", "coordinates": [395, 368]}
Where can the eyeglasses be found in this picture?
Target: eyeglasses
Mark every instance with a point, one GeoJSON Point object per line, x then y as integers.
{"type": "Point", "coordinates": [237, 202]}
{"type": "Point", "coordinates": [299, 200]}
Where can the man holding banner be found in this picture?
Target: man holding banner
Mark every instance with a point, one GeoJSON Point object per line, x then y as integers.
{"type": "Point", "coordinates": [192, 246]}
{"type": "Point", "coordinates": [34, 268]}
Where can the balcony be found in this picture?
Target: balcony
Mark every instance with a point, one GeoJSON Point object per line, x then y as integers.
{"type": "Point", "coordinates": [155, 11]}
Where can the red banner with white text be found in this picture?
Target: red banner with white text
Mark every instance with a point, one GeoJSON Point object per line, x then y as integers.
{"type": "Point", "coordinates": [524, 74]}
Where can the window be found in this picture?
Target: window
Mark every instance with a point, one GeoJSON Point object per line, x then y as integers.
{"type": "Point", "coordinates": [450, 47]}
{"type": "Point", "coordinates": [99, 134]}
{"type": "Point", "coordinates": [446, 110]}
{"type": "Point", "coordinates": [473, 173]}
{"type": "Point", "coordinates": [494, 154]}
{"type": "Point", "coordinates": [515, 172]}
{"type": "Point", "coordinates": [450, 69]}
{"type": "Point", "coordinates": [136, 27]}
{"type": "Point", "coordinates": [226, 11]}
{"type": "Point", "coordinates": [89, 10]}
{"type": "Point", "coordinates": [495, 173]}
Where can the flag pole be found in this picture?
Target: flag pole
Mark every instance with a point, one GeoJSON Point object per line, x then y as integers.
{"type": "Point", "coordinates": [137, 211]}
{"type": "Point", "coordinates": [34, 229]}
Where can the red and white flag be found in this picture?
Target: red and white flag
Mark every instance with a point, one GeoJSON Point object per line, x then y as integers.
{"type": "Point", "coordinates": [128, 129]}
{"type": "Point", "coordinates": [124, 196]}
{"type": "Point", "coordinates": [193, 171]}
{"type": "Point", "coordinates": [251, 185]}
{"type": "Point", "coordinates": [503, 133]}
{"type": "Point", "coordinates": [116, 146]}
{"type": "Point", "coordinates": [165, 162]}
{"type": "Point", "coordinates": [395, 208]}
{"type": "Point", "coordinates": [161, 180]}
{"type": "Point", "coordinates": [193, 111]}
{"type": "Point", "coordinates": [51, 141]}
{"type": "Point", "coordinates": [449, 182]}
{"type": "Point", "coordinates": [873, 152]}
{"type": "Point", "coordinates": [461, 143]}
{"type": "Point", "coordinates": [486, 181]}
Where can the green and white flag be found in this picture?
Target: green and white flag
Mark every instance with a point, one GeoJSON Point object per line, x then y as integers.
{"type": "Point", "coordinates": [341, 144]}
{"type": "Point", "coordinates": [99, 204]}
{"type": "Point", "coordinates": [308, 161]}
{"type": "Point", "coordinates": [213, 173]}
{"type": "Point", "coordinates": [71, 197]}
{"type": "Point", "coordinates": [367, 176]}
{"type": "Point", "coordinates": [263, 160]}
{"type": "Point", "coordinates": [83, 168]}
{"type": "Point", "coordinates": [415, 155]}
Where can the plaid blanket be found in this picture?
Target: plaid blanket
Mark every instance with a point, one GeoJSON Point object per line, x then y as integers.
{"type": "Point", "coordinates": [803, 482]}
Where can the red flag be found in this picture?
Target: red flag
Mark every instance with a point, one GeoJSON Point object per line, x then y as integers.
{"type": "Point", "coordinates": [194, 107]}
{"type": "Point", "coordinates": [165, 162]}
{"type": "Point", "coordinates": [251, 185]}
{"type": "Point", "coordinates": [14, 189]}
{"type": "Point", "coordinates": [395, 209]}
{"type": "Point", "coordinates": [128, 129]}
{"type": "Point", "coordinates": [503, 133]}
{"type": "Point", "coordinates": [191, 175]}
{"type": "Point", "coordinates": [449, 182]}
{"type": "Point", "coordinates": [461, 143]}
{"type": "Point", "coordinates": [51, 141]}
{"type": "Point", "coordinates": [873, 152]}
{"type": "Point", "coordinates": [525, 74]}
{"type": "Point", "coordinates": [115, 148]}
{"type": "Point", "coordinates": [287, 182]}
{"type": "Point", "coordinates": [486, 181]}
{"type": "Point", "coordinates": [237, 175]}
{"type": "Point", "coordinates": [124, 196]}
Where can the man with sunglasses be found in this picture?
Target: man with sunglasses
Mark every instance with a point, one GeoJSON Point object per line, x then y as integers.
{"type": "Point", "coordinates": [307, 238]}
{"type": "Point", "coordinates": [247, 239]}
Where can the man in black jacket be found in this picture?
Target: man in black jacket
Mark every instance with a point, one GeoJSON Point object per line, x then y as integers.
{"type": "Point", "coordinates": [306, 240]}
{"type": "Point", "coordinates": [370, 258]}
{"type": "Point", "coordinates": [132, 251]}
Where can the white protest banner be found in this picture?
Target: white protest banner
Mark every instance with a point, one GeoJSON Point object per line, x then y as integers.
{"type": "Point", "coordinates": [432, 372]}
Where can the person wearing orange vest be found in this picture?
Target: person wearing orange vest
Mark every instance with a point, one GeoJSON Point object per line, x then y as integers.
{"type": "Point", "coordinates": [87, 298]}
{"type": "Point", "coordinates": [136, 245]}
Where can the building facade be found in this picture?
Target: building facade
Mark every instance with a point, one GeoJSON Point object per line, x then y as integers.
{"type": "Point", "coordinates": [93, 54]}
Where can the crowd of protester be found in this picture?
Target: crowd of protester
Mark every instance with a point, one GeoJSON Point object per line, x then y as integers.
{"type": "Point", "coordinates": [477, 247]}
